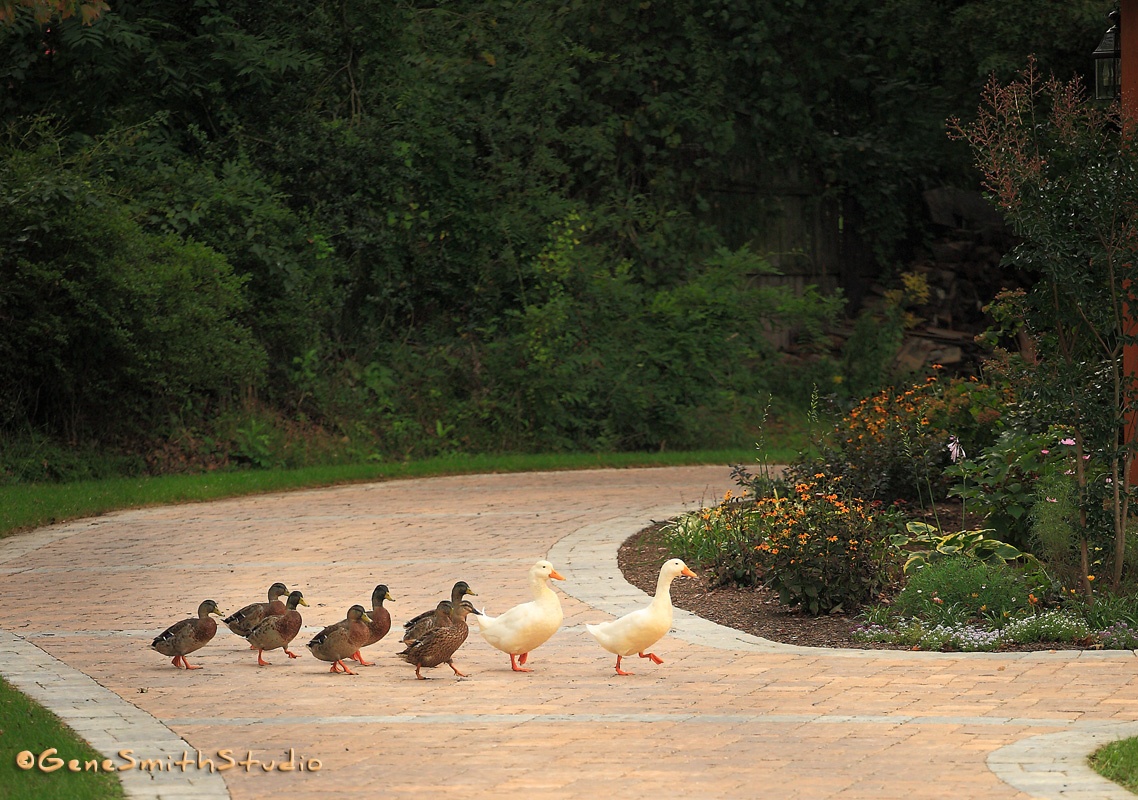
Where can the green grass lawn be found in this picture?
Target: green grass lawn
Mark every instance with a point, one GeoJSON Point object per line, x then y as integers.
{"type": "Point", "coordinates": [26, 726]}
{"type": "Point", "coordinates": [25, 506]}
{"type": "Point", "coordinates": [1118, 761]}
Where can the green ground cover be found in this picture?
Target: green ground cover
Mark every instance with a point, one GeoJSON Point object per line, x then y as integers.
{"type": "Point", "coordinates": [27, 727]}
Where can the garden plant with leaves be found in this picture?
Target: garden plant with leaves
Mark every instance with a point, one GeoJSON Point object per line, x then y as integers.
{"type": "Point", "coordinates": [1065, 172]}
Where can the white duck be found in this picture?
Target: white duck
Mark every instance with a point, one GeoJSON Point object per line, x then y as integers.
{"type": "Point", "coordinates": [638, 630]}
{"type": "Point", "coordinates": [524, 627]}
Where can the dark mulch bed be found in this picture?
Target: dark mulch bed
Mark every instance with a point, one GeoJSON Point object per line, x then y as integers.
{"type": "Point", "coordinates": [755, 610]}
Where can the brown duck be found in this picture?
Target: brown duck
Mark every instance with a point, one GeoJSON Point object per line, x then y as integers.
{"type": "Point", "coordinates": [380, 622]}
{"type": "Point", "coordinates": [186, 636]}
{"type": "Point", "coordinates": [417, 627]}
{"type": "Point", "coordinates": [278, 630]}
{"type": "Point", "coordinates": [339, 641]}
{"type": "Point", "coordinates": [439, 644]}
{"type": "Point", "coordinates": [244, 620]}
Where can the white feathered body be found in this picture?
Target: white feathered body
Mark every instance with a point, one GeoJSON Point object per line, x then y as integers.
{"type": "Point", "coordinates": [526, 626]}
{"type": "Point", "coordinates": [638, 630]}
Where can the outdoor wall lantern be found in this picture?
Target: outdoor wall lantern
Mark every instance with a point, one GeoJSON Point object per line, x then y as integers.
{"type": "Point", "coordinates": [1107, 55]}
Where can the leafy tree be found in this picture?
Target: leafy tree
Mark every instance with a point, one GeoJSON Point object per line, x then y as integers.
{"type": "Point", "coordinates": [382, 180]}
{"type": "Point", "coordinates": [104, 325]}
{"type": "Point", "coordinates": [1067, 178]}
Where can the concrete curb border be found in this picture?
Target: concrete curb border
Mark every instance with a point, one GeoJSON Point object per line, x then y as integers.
{"type": "Point", "coordinates": [107, 722]}
{"type": "Point", "coordinates": [1048, 766]}
{"type": "Point", "coordinates": [1054, 765]}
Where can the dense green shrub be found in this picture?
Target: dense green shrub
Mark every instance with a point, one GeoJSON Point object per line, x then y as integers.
{"type": "Point", "coordinates": [105, 323]}
{"type": "Point", "coordinates": [721, 539]}
{"type": "Point", "coordinates": [1064, 172]}
{"type": "Point", "coordinates": [824, 552]}
{"type": "Point", "coordinates": [1003, 481]}
{"type": "Point", "coordinates": [979, 590]}
{"type": "Point", "coordinates": [384, 179]}
{"type": "Point", "coordinates": [819, 551]}
{"type": "Point", "coordinates": [227, 203]}
{"type": "Point", "coordinates": [893, 445]}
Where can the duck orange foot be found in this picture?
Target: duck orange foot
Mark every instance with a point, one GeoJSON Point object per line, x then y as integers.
{"type": "Point", "coordinates": [655, 658]}
{"type": "Point", "coordinates": [514, 664]}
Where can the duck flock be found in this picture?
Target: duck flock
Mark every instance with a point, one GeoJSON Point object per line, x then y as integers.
{"type": "Point", "coordinates": [431, 638]}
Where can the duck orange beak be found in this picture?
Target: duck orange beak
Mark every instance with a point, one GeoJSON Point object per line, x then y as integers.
{"type": "Point", "coordinates": [557, 576]}
{"type": "Point", "coordinates": [688, 572]}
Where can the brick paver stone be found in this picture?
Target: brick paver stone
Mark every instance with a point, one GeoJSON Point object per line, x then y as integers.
{"type": "Point", "coordinates": [726, 715]}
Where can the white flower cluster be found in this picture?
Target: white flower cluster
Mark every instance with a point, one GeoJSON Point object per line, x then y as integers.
{"type": "Point", "coordinates": [1058, 625]}
{"type": "Point", "coordinates": [1050, 626]}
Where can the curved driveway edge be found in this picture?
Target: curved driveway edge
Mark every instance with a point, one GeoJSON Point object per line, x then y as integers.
{"type": "Point", "coordinates": [107, 722]}
{"type": "Point", "coordinates": [1049, 766]}
{"type": "Point", "coordinates": [1054, 765]}
{"type": "Point", "coordinates": [726, 716]}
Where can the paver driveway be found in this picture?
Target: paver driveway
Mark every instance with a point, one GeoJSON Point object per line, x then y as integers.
{"type": "Point", "coordinates": [726, 715]}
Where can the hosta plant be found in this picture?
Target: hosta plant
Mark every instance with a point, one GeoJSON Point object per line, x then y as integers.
{"type": "Point", "coordinates": [933, 545]}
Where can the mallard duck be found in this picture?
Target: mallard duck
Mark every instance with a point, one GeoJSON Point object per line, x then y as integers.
{"type": "Point", "coordinates": [525, 626]}
{"type": "Point", "coordinates": [380, 622]}
{"type": "Point", "coordinates": [635, 632]}
{"type": "Point", "coordinates": [244, 620]}
{"type": "Point", "coordinates": [278, 630]}
{"type": "Point", "coordinates": [439, 644]}
{"type": "Point", "coordinates": [417, 627]}
{"type": "Point", "coordinates": [186, 636]}
{"type": "Point", "coordinates": [337, 642]}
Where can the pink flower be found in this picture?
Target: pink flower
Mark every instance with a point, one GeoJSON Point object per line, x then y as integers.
{"type": "Point", "coordinates": [1052, 500]}
{"type": "Point", "coordinates": [955, 450]}
{"type": "Point", "coordinates": [1045, 452]}
{"type": "Point", "coordinates": [1068, 442]}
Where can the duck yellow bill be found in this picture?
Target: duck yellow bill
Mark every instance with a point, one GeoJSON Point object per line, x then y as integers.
{"type": "Point", "coordinates": [557, 576]}
{"type": "Point", "coordinates": [365, 617]}
{"type": "Point", "coordinates": [688, 572]}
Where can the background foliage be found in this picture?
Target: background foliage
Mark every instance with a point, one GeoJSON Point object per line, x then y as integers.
{"type": "Point", "coordinates": [417, 228]}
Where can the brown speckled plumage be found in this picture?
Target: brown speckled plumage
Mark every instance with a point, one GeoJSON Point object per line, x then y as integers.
{"type": "Point", "coordinates": [416, 627]}
{"type": "Point", "coordinates": [188, 635]}
{"type": "Point", "coordinates": [339, 641]}
{"type": "Point", "coordinates": [278, 630]}
{"type": "Point", "coordinates": [244, 620]}
{"type": "Point", "coordinates": [439, 644]}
